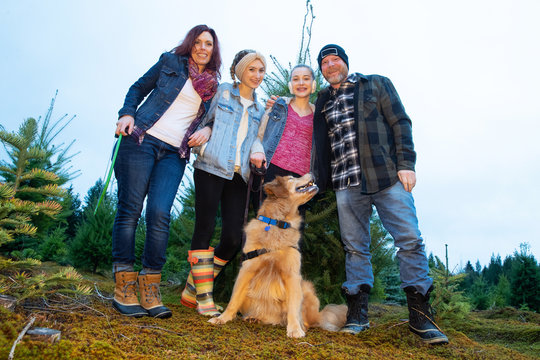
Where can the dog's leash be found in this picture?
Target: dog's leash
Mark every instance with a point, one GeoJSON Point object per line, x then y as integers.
{"type": "Point", "coordinates": [110, 174]}
{"type": "Point", "coordinates": [255, 171]}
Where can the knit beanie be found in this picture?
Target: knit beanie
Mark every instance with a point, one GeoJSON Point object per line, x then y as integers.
{"type": "Point", "coordinates": [245, 61]}
{"type": "Point", "coordinates": [332, 49]}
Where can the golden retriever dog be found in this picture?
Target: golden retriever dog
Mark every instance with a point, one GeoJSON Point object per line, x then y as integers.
{"type": "Point", "coordinates": [269, 288]}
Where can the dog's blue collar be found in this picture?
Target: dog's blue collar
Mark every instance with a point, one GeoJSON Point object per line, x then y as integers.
{"type": "Point", "coordinates": [279, 223]}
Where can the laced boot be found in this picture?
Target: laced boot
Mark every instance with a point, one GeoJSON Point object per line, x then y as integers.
{"type": "Point", "coordinates": [125, 294]}
{"type": "Point", "coordinates": [202, 268]}
{"type": "Point", "coordinates": [421, 320]}
{"type": "Point", "coordinates": [151, 296]}
{"type": "Point", "coordinates": [357, 311]}
{"type": "Point", "coordinates": [189, 295]}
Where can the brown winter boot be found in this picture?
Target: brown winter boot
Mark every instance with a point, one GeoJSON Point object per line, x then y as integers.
{"type": "Point", "coordinates": [151, 296]}
{"type": "Point", "coordinates": [125, 294]}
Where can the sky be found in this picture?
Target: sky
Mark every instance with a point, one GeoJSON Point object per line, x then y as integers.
{"type": "Point", "coordinates": [466, 71]}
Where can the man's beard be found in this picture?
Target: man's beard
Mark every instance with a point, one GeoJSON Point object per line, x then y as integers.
{"type": "Point", "coordinates": [338, 78]}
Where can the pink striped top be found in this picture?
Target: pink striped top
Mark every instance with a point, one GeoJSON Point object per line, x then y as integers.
{"type": "Point", "coordinates": [293, 152]}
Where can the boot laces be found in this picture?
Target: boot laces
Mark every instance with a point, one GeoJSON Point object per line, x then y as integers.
{"type": "Point", "coordinates": [130, 289]}
{"type": "Point", "coordinates": [153, 292]}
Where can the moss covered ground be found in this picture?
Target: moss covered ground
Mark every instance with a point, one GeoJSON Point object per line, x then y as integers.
{"type": "Point", "coordinates": [91, 329]}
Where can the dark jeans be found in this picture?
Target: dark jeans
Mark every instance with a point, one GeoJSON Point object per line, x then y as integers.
{"type": "Point", "coordinates": [152, 170]}
{"type": "Point", "coordinates": [210, 191]}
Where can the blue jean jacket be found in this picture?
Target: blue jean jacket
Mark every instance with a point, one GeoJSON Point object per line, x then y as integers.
{"type": "Point", "coordinates": [163, 82]}
{"type": "Point", "coordinates": [218, 155]}
{"type": "Point", "coordinates": [272, 127]}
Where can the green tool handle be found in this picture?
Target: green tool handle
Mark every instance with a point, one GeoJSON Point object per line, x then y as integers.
{"type": "Point", "coordinates": [110, 173]}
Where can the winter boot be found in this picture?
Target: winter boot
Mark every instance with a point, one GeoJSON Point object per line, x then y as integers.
{"type": "Point", "coordinates": [357, 312]}
{"type": "Point", "coordinates": [189, 294]}
{"type": "Point", "coordinates": [421, 320]}
{"type": "Point", "coordinates": [202, 268]}
{"type": "Point", "coordinates": [125, 294]}
{"type": "Point", "coordinates": [151, 296]}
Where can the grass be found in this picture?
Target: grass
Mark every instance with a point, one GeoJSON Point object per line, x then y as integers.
{"type": "Point", "coordinates": [92, 329]}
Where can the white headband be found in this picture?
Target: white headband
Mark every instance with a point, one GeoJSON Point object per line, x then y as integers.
{"type": "Point", "coordinates": [245, 61]}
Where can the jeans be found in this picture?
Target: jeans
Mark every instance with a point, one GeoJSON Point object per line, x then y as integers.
{"type": "Point", "coordinates": [210, 192]}
{"type": "Point", "coordinates": [154, 170]}
{"type": "Point", "coordinates": [396, 210]}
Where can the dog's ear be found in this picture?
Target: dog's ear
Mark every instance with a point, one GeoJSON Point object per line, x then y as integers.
{"type": "Point", "coordinates": [277, 187]}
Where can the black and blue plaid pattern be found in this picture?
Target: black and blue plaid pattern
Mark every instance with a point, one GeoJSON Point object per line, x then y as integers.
{"type": "Point", "coordinates": [383, 133]}
{"type": "Point", "coordinates": [339, 114]}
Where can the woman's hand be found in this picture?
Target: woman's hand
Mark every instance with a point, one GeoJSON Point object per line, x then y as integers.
{"type": "Point", "coordinates": [200, 137]}
{"type": "Point", "coordinates": [126, 121]}
{"type": "Point", "coordinates": [270, 102]}
{"type": "Point", "coordinates": [257, 159]}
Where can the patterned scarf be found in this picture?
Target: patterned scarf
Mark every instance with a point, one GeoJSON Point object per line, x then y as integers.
{"type": "Point", "coordinates": [205, 84]}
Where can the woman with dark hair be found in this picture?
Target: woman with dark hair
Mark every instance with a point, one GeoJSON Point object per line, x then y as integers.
{"type": "Point", "coordinates": [151, 161]}
{"type": "Point", "coordinates": [221, 174]}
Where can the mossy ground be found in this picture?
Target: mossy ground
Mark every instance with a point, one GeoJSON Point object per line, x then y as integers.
{"type": "Point", "coordinates": [96, 331]}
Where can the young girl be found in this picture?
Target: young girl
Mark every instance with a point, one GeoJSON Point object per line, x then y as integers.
{"type": "Point", "coordinates": [286, 129]}
{"type": "Point", "coordinates": [221, 175]}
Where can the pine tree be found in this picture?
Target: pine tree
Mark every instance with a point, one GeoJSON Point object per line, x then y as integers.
{"type": "Point", "coordinates": [525, 280]}
{"type": "Point", "coordinates": [91, 248]}
{"type": "Point", "coordinates": [16, 204]}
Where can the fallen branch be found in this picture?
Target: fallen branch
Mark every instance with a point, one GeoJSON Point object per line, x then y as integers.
{"type": "Point", "coordinates": [401, 323]}
{"type": "Point", "coordinates": [19, 338]}
{"type": "Point", "coordinates": [100, 294]}
{"type": "Point", "coordinates": [91, 308]}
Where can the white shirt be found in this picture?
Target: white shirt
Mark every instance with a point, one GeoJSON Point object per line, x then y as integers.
{"type": "Point", "coordinates": [173, 124]}
{"type": "Point", "coordinates": [242, 129]}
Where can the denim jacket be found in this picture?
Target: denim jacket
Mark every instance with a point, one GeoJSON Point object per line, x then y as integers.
{"type": "Point", "coordinates": [217, 156]}
{"type": "Point", "coordinates": [163, 82]}
{"type": "Point", "coordinates": [273, 125]}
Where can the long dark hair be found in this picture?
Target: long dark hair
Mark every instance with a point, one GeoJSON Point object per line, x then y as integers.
{"type": "Point", "coordinates": [185, 47]}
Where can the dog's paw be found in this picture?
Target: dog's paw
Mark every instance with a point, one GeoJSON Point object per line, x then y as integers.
{"type": "Point", "coordinates": [295, 333]}
{"type": "Point", "coordinates": [218, 320]}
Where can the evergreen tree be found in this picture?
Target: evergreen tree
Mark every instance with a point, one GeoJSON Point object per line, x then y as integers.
{"type": "Point", "coordinates": [479, 294]}
{"type": "Point", "coordinates": [492, 272]}
{"type": "Point", "coordinates": [525, 280]}
{"type": "Point", "coordinates": [503, 292]}
{"type": "Point", "coordinates": [91, 248]}
{"type": "Point", "coordinates": [17, 205]}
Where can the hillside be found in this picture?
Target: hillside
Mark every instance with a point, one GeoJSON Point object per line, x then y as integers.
{"type": "Point", "coordinates": [91, 329]}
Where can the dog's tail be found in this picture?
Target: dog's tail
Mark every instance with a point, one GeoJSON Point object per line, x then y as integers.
{"type": "Point", "coordinates": [333, 317]}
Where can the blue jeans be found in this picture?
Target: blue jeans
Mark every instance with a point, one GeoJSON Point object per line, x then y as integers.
{"type": "Point", "coordinates": [396, 210]}
{"type": "Point", "coordinates": [154, 170]}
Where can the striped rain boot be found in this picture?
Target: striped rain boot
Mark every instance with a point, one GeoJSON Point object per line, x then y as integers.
{"type": "Point", "coordinates": [202, 269]}
{"type": "Point", "coordinates": [189, 294]}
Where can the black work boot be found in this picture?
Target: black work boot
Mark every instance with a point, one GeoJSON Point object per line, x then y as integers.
{"type": "Point", "coordinates": [357, 312]}
{"type": "Point", "coordinates": [421, 320]}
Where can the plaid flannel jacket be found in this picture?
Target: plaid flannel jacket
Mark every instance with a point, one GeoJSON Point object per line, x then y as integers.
{"type": "Point", "coordinates": [384, 135]}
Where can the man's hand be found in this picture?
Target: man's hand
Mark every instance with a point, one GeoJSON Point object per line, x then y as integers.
{"type": "Point", "coordinates": [270, 102]}
{"type": "Point", "coordinates": [407, 178]}
{"type": "Point", "coordinates": [126, 121]}
{"type": "Point", "coordinates": [257, 159]}
{"type": "Point", "coordinates": [200, 137]}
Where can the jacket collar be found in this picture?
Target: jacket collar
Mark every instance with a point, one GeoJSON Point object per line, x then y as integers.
{"type": "Point", "coordinates": [235, 91]}
{"type": "Point", "coordinates": [289, 99]}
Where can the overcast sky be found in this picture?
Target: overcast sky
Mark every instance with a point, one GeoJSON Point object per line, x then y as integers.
{"type": "Point", "coordinates": [467, 73]}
